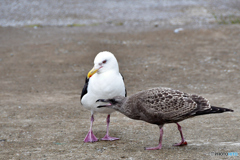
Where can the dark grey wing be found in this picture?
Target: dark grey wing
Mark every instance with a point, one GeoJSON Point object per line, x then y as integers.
{"type": "Point", "coordinates": [84, 90]}
{"type": "Point", "coordinates": [124, 85]}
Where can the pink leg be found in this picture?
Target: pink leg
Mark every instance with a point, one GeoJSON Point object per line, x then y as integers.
{"type": "Point", "coordinates": [90, 137]}
{"type": "Point", "coordinates": [183, 142]}
{"type": "Point", "coordinates": [107, 137]}
{"type": "Point", "coordinates": [160, 141]}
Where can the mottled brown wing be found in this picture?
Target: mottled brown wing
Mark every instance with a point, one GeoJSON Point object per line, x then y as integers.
{"type": "Point", "coordinates": [202, 105]}
{"type": "Point", "coordinates": [171, 105]}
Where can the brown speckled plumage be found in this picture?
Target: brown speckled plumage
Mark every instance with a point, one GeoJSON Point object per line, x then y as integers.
{"type": "Point", "coordinates": [162, 105]}
{"type": "Point", "coordinates": [165, 104]}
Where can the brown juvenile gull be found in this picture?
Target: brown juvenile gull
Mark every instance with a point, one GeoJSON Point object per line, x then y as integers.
{"type": "Point", "coordinates": [103, 81]}
{"type": "Point", "coordinates": [162, 105]}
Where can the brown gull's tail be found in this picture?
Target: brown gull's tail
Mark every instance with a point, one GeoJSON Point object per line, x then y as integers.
{"type": "Point", "coordinates": [212, 110]}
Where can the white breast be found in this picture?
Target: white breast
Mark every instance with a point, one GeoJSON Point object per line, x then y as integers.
{"type": "Point", "coordinates": [103, 86]}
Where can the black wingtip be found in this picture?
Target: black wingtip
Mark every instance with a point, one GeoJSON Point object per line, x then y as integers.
{"type": "Point", "coordinates": [229, 110]}
{"type": "Point", "coordinates": [221, 110]}
{"type": "Point", "coordinates": [214, 110]}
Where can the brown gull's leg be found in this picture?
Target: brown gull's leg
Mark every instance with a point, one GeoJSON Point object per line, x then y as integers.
{"type": "Point", "coordinates": [160, 140]}
{"type": "Point", "coordinates": [183, 142]}
{"type": "Point", "coordinates": [107, 137]}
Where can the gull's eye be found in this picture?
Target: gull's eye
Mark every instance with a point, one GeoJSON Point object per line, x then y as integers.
{"type": "Point", "coordinates": [104, 61]}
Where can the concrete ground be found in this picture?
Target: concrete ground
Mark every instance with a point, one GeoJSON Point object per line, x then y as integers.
{"type": "Point", "coordinates": [42, 72]}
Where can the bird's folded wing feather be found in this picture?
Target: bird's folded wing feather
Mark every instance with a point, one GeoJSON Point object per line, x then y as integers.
{"type": "Point", "coordinates": [84, 90]}
{"type": "Point", "coordinates": [125, 86]}
{"type": "Point", "coordinates": [172, 105]}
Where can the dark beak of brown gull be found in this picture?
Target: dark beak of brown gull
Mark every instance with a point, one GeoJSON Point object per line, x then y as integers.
{"type": "Point", "coordinates": [103, 100]}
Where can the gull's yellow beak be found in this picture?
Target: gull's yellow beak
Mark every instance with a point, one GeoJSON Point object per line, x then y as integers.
{"type": "Point", "coordinates": [92, 72]}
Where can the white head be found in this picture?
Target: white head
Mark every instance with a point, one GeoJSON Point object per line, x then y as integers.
{"type": "Point", "coordinates": [104, 61]}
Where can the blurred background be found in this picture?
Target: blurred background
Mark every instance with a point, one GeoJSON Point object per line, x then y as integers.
{"type": "Point", "coordinates": [195, 13]}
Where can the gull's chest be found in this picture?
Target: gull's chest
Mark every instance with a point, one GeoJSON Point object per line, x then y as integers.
{"type": "Point", "coordinates": [106, 84]}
